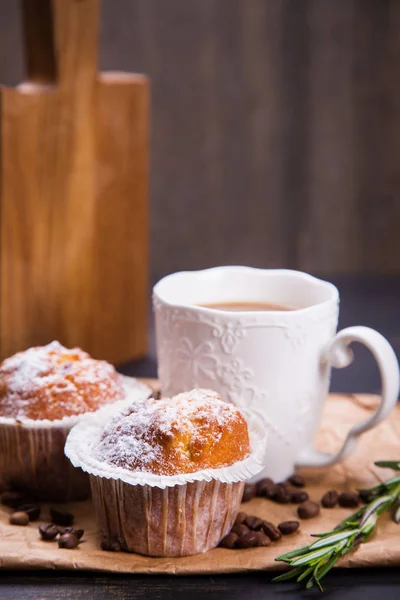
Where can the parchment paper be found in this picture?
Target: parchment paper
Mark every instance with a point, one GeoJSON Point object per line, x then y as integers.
{"type": "Point", "coordinates": [21, 547]}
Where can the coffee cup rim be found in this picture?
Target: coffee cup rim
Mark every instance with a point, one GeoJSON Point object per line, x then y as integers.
{"type": "Point", "coordinates": [160, 290]}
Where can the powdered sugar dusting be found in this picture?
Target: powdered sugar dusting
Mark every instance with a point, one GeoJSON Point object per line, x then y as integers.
{"type": "Point", "coordinates": [194, 430]}
{"type": "Point", "coordinates": [51, 382]}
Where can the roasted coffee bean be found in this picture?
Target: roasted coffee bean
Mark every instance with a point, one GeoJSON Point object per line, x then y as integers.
{"type": "Point", "coordinates": [271, 531]}
{"type": "Point", "coordinates": [288, 527]}
{"type": "Point", "coordinates": [248, 540]}
{"type": "Point", "coordinates": [284, 485]}
{"type": "Point", "coordinates": [240, 529]}
{"type": "Point", "coordinates": [297, 481]}
{"type": "Point", "coordinates": [349, 500]}
{"type": "Point", "coordinates": [68, 540]}
{"type": "Point", "coordinates": [330, 499]}
{"type": "Point", "coordinates": [265, 487]}
{"type": "Point", "coordinates": [269, 492]}
{"type": "Point", "coordinates": [78, 532]}
{"type": "Point", "coordinates": [249, 492]}
{"type": "Point", "coordinates": [365, 496]}
{"type": "Point", "coordinates": [253, 522]}
{"type": "Point", "coordinates": [32, 510]}
{"type": "Point", "coordinates": [13, 499]}
{"type": "Point", "coordinates": [111, 545]}
{"type": "Point", "coordinates": [242, 516]}
{"type": "Point", "coordinates": [229, 540]}
{"type": "Point", "coordinates": [19, 518]}
{"type": "Point", "coordinates": [308, 509]}
{"type": "Point", "coordinates": [262, 539]}
{"type": "Point", "coordinates": [282, 494]}
{"type": "Point", "coordinates": [48, 531]}
{"type": "Point", "coordinates": [299, 496]}
{"type": "Point", "coordinates": [60, 516]}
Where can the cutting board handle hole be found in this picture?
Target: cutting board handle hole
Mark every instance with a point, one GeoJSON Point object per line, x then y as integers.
{"type": "Point", "coordinates": [38, 31]}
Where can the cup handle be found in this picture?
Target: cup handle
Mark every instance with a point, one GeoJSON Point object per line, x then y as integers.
{"type": "Point", "coordinates": [338, 354]}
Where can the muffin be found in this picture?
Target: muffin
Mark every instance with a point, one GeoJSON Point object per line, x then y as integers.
{"type": "Point", "coordinates": [167, 477]}
{"type": "Point", "coordinates": [43, 392]}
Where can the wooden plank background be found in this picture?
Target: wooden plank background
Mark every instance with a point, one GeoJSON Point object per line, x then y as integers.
{"type": "Point", "coordinates": [275, 127]}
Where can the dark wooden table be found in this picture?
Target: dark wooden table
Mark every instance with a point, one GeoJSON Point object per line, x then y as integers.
{"type": "Point", "coordinates": [365, 301]}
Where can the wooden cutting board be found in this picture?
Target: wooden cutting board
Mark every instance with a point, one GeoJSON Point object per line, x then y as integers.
{"type": "Point", "coordinates": [73, 198]}
{"type": "Point", "coordinates": [21, 547]}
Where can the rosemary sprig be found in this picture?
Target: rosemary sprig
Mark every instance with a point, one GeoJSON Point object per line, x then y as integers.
{"type": "Point", "coordinates": [313, 562]}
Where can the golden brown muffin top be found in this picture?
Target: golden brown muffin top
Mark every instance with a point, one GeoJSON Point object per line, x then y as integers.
{"type": "Point", "coordinates": [187, 433]}
{"type": "Point", "coordinates": [52, 382]}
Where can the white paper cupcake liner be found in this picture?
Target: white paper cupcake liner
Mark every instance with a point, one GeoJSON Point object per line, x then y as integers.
{"type": "Point", "coordinates": [86, 435]}
{"type": "Point", "coordinates": [32, 452]}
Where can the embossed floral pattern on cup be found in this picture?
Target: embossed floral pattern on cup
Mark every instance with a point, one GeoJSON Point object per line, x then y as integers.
{"type": "Point", "coordinates": [193, 361]}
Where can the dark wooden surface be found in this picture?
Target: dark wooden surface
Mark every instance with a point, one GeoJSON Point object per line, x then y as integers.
{"type": "Point", "coordinates": [275, 127]}
{"type": "Point", "coordinates": [367, 301]}
{"type": "Point", "coordinates": [369, 584]}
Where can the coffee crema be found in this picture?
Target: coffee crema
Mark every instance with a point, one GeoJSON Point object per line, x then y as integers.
{"type": "Point", "coordinates": [247, 306]}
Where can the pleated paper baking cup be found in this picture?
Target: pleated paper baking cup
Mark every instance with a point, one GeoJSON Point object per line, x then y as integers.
{"type": "Point", "coordinates": [32, 452]}
{"type": "Point", "coordinates": [172, 521]}
{"type": "Point", "coordinates": [171, 515]}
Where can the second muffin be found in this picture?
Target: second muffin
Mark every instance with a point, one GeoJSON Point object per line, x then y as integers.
{"type": "Point", "coordinates": [43, 393]}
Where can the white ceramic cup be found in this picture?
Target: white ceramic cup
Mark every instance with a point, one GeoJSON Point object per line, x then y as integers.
{"type": "Point", "coordinates": [277, 362]}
